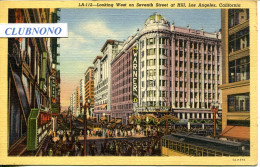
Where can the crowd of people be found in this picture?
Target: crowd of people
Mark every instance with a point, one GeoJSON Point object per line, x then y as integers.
{"type": "Point", "coordinates": [123, 132]}
{"type": "Point", "coordinates": [66, 144]}
{"type": "Point", "coordinates": [126, 147]}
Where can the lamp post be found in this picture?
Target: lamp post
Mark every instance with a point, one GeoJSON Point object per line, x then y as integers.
{"type": "Point", "coordinates": [86, 106]}
{"type": "Point", "coordinates": [214, 110]}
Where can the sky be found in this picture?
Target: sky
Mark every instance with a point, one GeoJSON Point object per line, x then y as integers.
{"type": "Point", "coordinates": [90, 28]}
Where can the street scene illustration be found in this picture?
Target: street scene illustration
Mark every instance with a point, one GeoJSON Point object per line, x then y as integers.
{"type": "Point", "coordinates": [133, 82]}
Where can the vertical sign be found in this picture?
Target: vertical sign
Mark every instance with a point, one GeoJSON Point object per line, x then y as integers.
{"type": "Point", "coordinates": [135, 74]}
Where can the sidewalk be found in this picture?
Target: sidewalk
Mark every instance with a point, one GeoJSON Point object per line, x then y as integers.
{"type": "Point", "coordinates": [114, 137]}
{"type": "Point", "coordinates": [103, 137]}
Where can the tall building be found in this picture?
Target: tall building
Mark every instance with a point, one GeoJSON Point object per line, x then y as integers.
{"type": "Point", "coordinates": [82, 94]}
{"type": "Point", "coordinates": [173, 68]}
{"type": "Point", "coordinates": [33, 81]}
{"type": "Point", "coordinates": [121, 85]}
{"type": "Point", "coordinates": [89, 89]}
{"type": "Point", "coordinates": [76, 108]}
{"type": "Point", "coordinates": [72, 101]}
{"type": "Point", "coordinates": [236, 74]}
{"type": "Point", "coordinates": [102, 75]}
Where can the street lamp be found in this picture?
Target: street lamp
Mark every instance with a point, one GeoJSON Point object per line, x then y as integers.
{"type": "Point", "coordinates": [86, 106]}
{"type": "Point", "coordinates": [214, 110]}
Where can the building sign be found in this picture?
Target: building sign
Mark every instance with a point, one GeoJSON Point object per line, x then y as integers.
{"type": "Point", "coordinates": [135, 74]}
{"type": "Point", "coordinates": [52, 86]}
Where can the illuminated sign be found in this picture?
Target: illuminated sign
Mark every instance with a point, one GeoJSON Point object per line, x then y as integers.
{"type": "Point", "coordinates": [135, 74]}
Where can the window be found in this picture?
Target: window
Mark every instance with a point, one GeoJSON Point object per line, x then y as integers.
{"type": "Point", "coordinates": [239, 103]}
{"type": "Point", "coordinates": [162, 83]}
{"type": "Point", "coordinates": [176, 63]}
{"type": "Point", "coordinates": [162, 72]}
{"type": "Point", "coordinates": [239, 40]}
{"type": "Point", "coordinates": [181, 63]}
{"type": "Point", "coordinates": [163, 93]}
{"type": "Point", "coordinates": [151, 51]}
{"type": "Point", "coordinates": [181, 84]}
{"type": "Point", "coordinates": [142, 43]}
{"type": "Point", "coordinates": [151, 93]}
{"type": "Point", "coordinates": [163, 62]}
{"type": "Point", "coordinates": [163, 41]}
{"type": "Point", "coordinates": [239, 70]}
{"type": "Point", "coordinates": [163, 51]}
{"type": "Point", "coordinates": [237, 16]}
{"type": "Point", "coordinates": [150, 83]}
{"type": "Point", "coordinates": [151, 72]}
{"type": "Point", "coordinates": [151, 62]}
{"type": "Point", "coordinates": [150, 41]}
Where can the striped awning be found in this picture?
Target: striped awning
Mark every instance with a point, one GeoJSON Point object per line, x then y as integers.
{"type": "Point", "coordinates": [236, 132]}
{"type": "Point", "coordinates": [103, 106]}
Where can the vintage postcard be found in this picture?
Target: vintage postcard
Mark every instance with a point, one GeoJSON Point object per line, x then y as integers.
{"type": "Point", "coordinates": [128, 82]}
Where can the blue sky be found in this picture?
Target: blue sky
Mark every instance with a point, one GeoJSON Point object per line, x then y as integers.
{"type": "Point", "coordinates": [90, 28]}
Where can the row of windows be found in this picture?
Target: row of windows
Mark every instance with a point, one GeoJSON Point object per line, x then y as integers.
{"type": "Point", "coordinates": [237, 16]}
{"type": "Point", "coordinates": [206, 76]}
{"type": "Point", "coordinates": [122, 99]}
{"type": "Point", "coordinates": [194, 45]}
{"type": "Point", "coordinates": [101, 90]}
{"type": "Point", "coordinates": [208, 57]}
{"type": "Point", "coordinates": [152, 41]}
{"type": "Point", "coordinates": [122, 107]}
{"type": "Point", "coordinates": [239, 40]}
{"type": "Point", "coordinates": [152, 62]}
{"type": "Point", "coordinates": [196, 104]}
{"type": "Point", "coordinates": [117, 92]}
{"type": "Point", "coordinates": [118, 82]}
{"type": "Point", "coordinates": [239, 103]}
{"type": "Point", "coordinates": [207, 96]}
{"type": "Point", "coordinates": [195, 65]}
{"type": "Point", "coordinates": [152, 93]}
{"type": "Point", "coordinates": [195, 115]}
{"type": "Point", "coordinates": [152, 72]}
{"type": "Point", "coordinates": [239, 70]}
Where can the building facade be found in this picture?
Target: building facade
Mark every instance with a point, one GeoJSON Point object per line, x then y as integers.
{"type": "Point", "coordinates": [33, 78]}
{"type": "Point", "coordinates": [102, 75]}
{"type": "Point", "coordinates": [236, 74]}
{"type": "Point", "coordinates": [121, 86]}
{"type": "Point", "coordinates": [76, 108]}
{"type": "Point", "coordinates": [89, 89]}
{"type": "Point", "coordinates": [82, 94]}
{"type": "Point", "coordinates": [173, 68]}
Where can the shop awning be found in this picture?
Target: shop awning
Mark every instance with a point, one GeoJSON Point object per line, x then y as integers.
{"type": "Point", "coordinates": [236, 132]}
{"type": "Point", "coordinates": [118, 121]}
{"type": "Point", "coordinates": [112, 120]}
{"type": "Point", "coordinates": [103, 105]}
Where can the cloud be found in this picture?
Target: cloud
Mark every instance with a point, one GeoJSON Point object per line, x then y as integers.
{"type": "Point", "coordinates": [74, 41]}
{"type": "Point", "coordinates": [99, 29]}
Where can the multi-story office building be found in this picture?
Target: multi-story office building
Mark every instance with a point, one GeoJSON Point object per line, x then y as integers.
{"type": "Point", "coordinates": [72, 101]}
{"type": "Point", "coordinates": [76, 108]}
{"type": "Point", "coordinates": [173, 68]}
{"type": "Point", "coordinates": [82, 94]}
{"type": "Point", "coordinates": [33, 81]}
{"type": "Point", "coordinates": [121, 86]}
{"type": "Point", "coordinates": [102, 75]}
{"type": "Point", "coordinates": [236, 74]}
{"type": "Point", "coordinates": [89, 89]}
